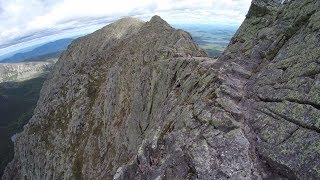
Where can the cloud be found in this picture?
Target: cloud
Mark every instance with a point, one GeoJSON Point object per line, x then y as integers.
{"type": "Point", "coordinates": [28, 21]}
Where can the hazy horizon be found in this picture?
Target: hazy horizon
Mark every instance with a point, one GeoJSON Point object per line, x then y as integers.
{"type": "Point", "coordinates": [24, 24]}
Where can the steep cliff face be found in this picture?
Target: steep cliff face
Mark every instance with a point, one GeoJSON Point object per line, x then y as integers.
{"type": "Point", "coordinates": [139, 100]}
{"type": "Point", "coordinates": [279, 44]}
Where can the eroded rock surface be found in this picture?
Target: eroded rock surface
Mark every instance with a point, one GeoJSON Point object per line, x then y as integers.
{"type": "Point", "coordinates": [277, 48]}
{"type": "Point", "coordinates": [283, 94]}
{"type": "Point", "coordinates": [139, 100]}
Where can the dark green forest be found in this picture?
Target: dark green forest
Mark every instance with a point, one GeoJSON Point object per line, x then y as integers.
{"type": "Point", "coordinates": [17, 102]}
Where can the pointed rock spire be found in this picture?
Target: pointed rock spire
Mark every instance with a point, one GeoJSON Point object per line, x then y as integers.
{"type": "Point", "coordinates": [157, 21]}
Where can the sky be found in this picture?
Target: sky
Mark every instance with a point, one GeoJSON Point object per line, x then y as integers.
{"type": "Point", "coordinates": [26, 23]}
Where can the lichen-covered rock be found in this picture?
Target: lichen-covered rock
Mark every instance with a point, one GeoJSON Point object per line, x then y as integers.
{"type": "Point", "coordinates": [139, 100]}
{"type": "Point", "coordinates": [281, 102]}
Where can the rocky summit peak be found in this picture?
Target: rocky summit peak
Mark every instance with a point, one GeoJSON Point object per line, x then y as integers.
{"type": "Point", "coordinates": [157, 18]}
{"type": "Point", "coordinates": [128, 20]}
{"type": "Point", "coordinates": [158, 21]}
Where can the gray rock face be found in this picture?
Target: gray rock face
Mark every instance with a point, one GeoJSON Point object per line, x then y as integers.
{"type": "Point", "coordinates": [281, 100]}
{"type": "Point", "coordinates": [282, 96]}
{"type": "Point", "coordinates": [139, 100]}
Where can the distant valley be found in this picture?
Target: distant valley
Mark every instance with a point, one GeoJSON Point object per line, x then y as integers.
{"type": "Point", "coordinates": [212, 38]}
{"type": "Point", "coordinates": [17, 102]}
{"type": "Point", "coordinates": [20, 85]}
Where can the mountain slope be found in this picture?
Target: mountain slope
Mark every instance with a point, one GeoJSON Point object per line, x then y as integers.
{"type": "Point", "coordinates": [17, 102]}
{"type": "Point", "coordinates": [20, 85]}
{"type": "Point", "coordinates": [49, 50]}
{"type": "Point", "coordinates": [24, 71]}
{"type": "Point", "coordinates": [139, 100]}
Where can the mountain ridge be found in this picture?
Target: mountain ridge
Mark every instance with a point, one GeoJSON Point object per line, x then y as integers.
{"type": "Point", "coordinates": [96, 58]}
{"type": "Point", "coordinates": [24, 70]}
{"type": "Point", "coordinates": [139, 100]}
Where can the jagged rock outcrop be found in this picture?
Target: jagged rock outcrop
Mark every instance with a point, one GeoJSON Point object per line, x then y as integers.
{"type": "Point", "coordinates": [139, 100]}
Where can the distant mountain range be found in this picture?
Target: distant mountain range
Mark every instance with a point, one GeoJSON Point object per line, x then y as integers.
{"type": "Point", "coordinates": [212, 38]}
{"type": "Point", "coordinates": [46, 51]}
